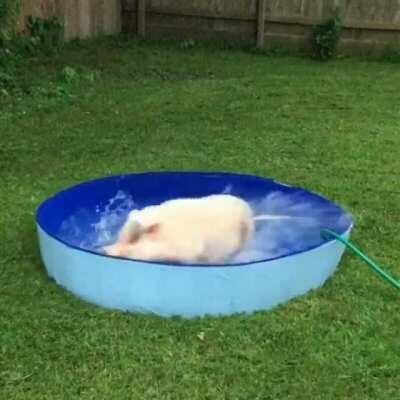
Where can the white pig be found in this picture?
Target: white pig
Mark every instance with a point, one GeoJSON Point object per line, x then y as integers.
{"type": "Point", "coordinates": [206, 230]}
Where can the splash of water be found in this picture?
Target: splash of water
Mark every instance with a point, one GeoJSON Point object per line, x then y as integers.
{"type": "Point", "coordinates": [93, 229]}
{"type": "Point", "coordinates": [299, 230]}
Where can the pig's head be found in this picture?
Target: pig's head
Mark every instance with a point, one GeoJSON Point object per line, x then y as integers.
{"type": "Point", "coordinates": [137, 242]}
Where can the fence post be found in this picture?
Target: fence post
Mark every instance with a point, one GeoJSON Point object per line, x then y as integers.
{"type": "Point", "coordinates": [141, 18]}
{"type": "Point", "coordinates": [261, 23]}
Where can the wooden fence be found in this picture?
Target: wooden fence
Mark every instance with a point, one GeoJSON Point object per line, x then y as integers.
{"type": "Point", "coordinates": [368, 23]}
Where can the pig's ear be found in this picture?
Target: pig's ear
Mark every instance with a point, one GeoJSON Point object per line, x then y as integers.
{"type": "Point", "coordinates": [130, 233]}
{"type": "Point", "coordinates": [152, 229]}
{"type": "Point", "coordinates": [132, 214]}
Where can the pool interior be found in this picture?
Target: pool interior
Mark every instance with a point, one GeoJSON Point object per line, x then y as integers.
{"type": "Point", "coordinates": [89, 215]}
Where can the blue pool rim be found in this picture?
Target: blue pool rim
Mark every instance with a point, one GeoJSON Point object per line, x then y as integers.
{"type": "Point", "coordinates": [47, 240]}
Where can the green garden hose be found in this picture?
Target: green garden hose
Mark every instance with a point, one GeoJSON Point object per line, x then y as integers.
{"type": "Point", "coordinates": [326, 234]}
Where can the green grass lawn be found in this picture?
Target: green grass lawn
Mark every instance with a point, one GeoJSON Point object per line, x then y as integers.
{"type": "Point", "coordinates": [131, 106]}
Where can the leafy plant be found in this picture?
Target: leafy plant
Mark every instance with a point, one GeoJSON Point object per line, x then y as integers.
{"type": "Point", "coordinates": [45, 34]}
{"type": "Point", "coordinates": [69, 74]}
{"type": "Point", "coordinates": [391, 54]}
{"type": "Point", "coordinates": [187, 44]}
{"type": "Point", "coordinates": [326, 37]}
{"type": "Point", "coordinates": [7, 82]}
{"type": "Point", "coordinates": [9, 10]}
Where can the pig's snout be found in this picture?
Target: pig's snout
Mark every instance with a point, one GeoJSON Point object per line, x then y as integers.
{"type": "Point", "coordinates": [115, 250]}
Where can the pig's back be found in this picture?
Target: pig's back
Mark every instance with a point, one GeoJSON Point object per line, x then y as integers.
{"type": "Point", "coordinates": [212, 228]}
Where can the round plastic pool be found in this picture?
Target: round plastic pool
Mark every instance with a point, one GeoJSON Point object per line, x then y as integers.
{"type": "Point", "coordinates": [185, 290]}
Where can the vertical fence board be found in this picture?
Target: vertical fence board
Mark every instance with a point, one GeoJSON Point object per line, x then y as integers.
{"type": "Point", "coordinates": [141, 17]}
{"type": "Point", "coordinates": [261, 23]}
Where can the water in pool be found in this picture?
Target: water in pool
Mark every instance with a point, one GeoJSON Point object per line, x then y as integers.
{"type": "Point", "coordinates": [93, 229]}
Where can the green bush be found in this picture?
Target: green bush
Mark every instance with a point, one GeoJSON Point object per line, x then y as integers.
{"type": "Point", "coordinates": [46, 35]}
{"type": "Point", "coordinates": [45, 38]}
{"type": "Point", "coordinates": [9, 11]}
{"type": "Point", "coordinates": [326, 37]}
